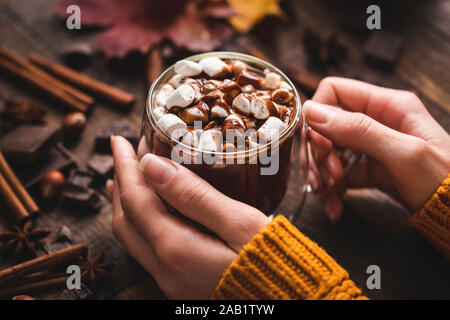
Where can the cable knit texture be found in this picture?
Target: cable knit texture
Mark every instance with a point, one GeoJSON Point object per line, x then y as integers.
{"type": "Point", "coordinates": [433, 220]}
{"type": "Point", "coordinates": [282, 263]}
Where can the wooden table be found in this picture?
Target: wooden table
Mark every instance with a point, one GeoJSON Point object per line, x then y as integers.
{"type": "Point", "coordinates": [373, 229]}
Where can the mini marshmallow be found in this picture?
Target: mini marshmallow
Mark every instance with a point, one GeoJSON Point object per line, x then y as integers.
{"type": "Point", "coordinates": [285, 85]}
{"type": "Point", "coordinates": [218, 111]}
{"type": "Point", "coordinates": [259, 109]}
{"type": "Point", "coordinates": [233, 126]}
{"type": "Point", "coordinates": [214, 67]}
{"type": "Point", "coordinates": [210, 140]}
{"type": "Point", "coordinates": [198, 112]}
{"type": "Point", "coordinates": [162, 95]}
{"type": "Point", "coordinates": [172, 125]}
{"type": "Point", "coordinates": [191, 138]}
{"type": "Point", "coordinates": [182, 97]}
{"type": "Point", "coordinates": [177, 80]}
{"type": "Point", "coordinates": [242, 104]}
{"type": "Point", "coordinates": [271, 129]}
{"type": "Point", "coordinates": [159, 111]}
{"type": "Point", "coordinates": [281, 95]}
{"type": "Point", "coordinates": [188, 68]}
{"type": "Point", "coordinates": [272, 80]}
{"type": "Point", "coordinates": [237, 67]}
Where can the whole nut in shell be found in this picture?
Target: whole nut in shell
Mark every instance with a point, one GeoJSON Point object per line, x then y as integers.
{"type": "Point", "coordinates": [73, 125]}
{"type": "Point", "coordinates": [51, 184]}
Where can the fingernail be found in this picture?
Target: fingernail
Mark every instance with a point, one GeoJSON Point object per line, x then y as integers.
{"type": "Point", "coordinates": [109, 185]}
{"type": "Point", "coordinates": [318, 113]}
{"type": "Point", "coordinates": [160, 171]}
{"type": "Point", "coordinates": [329, 212]}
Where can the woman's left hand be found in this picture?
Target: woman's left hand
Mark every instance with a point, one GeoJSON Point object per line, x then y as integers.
{"type": "Point", "coordinates": [187, 262]}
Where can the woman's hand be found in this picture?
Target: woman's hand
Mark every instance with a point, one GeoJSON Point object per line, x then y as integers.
{"type": "Point", "coordinates": [186, 261]}
{"type": "Point", "coordinates": [408, 153]}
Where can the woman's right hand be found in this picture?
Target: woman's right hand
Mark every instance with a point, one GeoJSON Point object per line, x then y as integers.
{"type": "Point", "coordinates": [408, 152]}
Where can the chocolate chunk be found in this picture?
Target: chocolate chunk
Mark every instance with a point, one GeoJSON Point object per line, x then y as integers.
{"type": "Point", "coordinates": [58, 246]}
{"type": "Point", "coordinates": [383, 48]}
{"type": "Point", "coordinates": [64, 235]}
{"type": "Point", "coordinates": [84, 293]}
{"type": "Point", "coordinates": [59, 158]}
{"type": "Point", "coordinates": [81, 178]}
{"type": "Point", "coordinates": [84, 198]}
{"type": "Point", "coordinates": [102, 165]}
{"type": "Point", "coordinates": [28, 144]}
{"type": "Point", "coordinates": [120, 128]}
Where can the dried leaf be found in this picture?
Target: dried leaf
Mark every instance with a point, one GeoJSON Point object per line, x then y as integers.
{"type": "Point", "coordinates": [250, 12]}
{"type": "Point", "coordinates": [197, 25]}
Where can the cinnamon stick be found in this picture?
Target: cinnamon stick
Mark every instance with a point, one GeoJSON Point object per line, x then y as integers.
{"type": "Point", "coordinates": [24, 63]}
{"type": "Point", "coordinates": [52, 260]}
{"type": "Point", "coordinates": [18, 211]}
{"type": "Point", "coordinates": [155, 65]}
{"type": "Point", "coordinates": [86, 83]}
{"type": "Point", "coordinates": [31, 286]}
{"type": "Point", "coordinates": [17, 186]}
{"type": "Point", "coordinates": [40, 84]}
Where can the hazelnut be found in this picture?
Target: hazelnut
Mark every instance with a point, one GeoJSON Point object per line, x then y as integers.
{"type": "Point", "coordinates": [23, 297]}
{"type": "Point", "coordinates": [51, 184]}
{"type": "Point", "coordinates": [73, 125]}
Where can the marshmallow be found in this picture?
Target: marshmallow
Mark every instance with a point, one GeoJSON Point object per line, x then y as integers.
{"type": "Point", "coordinates": [248, 89]}
{"type": "Point", "coordinates": [285, 85]}
{"type": "Point", "coordinates": [282, 95]}
{"type": "Point", "coordinates": [250, 123]}
{"type": "Point", "coordinates": [230, 90]}
{"type": "Point", "coordinates": [177, 80]}
{"type": "Point", "coordinates": [191, 137]}
{"type": "Point", "coordinates": [199, 112]}
{"type": "Point", "coordinates": [214, 67]}
{"type": "Point", "coordinates": [162, 95]}
{"type": "Point", "coordinates": [211, 85]}
{"type": "Point", "coordinates": [259, 108]}
{"type": "Point", "coordinates": [272, 80]}
{"type": "Point", "coordinates": [233, 126]}
{"type": "Point", "coordinates": [219, 111]}
{"type": "Point", "coordinates": [182, 97]}
{"type": "Point", "coordinates": [242, 104]}
{"type": "Point", "coordinates": [271, 129]}
{"type": "Point", "coordinates": [172, 125]}
{"type": "Point", "coordinates": [159, 111]}
{"type": "Point", "coordinates": [210, 140]}
{"type": "Point", "coordinates": [237, 66]}
{"type": "Point", "coordinates": [188, 68]}
{"type": "Point", "coordinates": [247, 77]}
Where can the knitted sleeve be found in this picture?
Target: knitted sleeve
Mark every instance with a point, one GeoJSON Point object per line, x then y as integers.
{"type": "Point", "coordinates": [282, 263]}
{"type": "Point", "coordinates": [433, 220]}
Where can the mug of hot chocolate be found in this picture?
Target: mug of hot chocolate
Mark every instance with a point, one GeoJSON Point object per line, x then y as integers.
{"type": "Point", "coordinates": [236, 121]}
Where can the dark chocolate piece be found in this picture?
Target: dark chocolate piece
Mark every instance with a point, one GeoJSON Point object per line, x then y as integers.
{"type": "Point", "coordinates": [102, 165]}
{"type": "Point", "coordinates": [64, 235]}
{"type": "Point", "coordinates": [383, 48]}
{"type": "Point", "coordinates": [84, 293]}
{"type": "Point", "coordinates": [84, 198]}
{"type": "Point", "coordinates": [59, 158]}
{"type": "Point", "coordinates": [81, 178]}
{"type": "Point", "coordinates": [120, 128]}
{"type": "Point", "coordinates": [28, 144]}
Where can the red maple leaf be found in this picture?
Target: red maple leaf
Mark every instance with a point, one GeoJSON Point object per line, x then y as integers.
{"type": "Point", "coordinates": [197, 25]}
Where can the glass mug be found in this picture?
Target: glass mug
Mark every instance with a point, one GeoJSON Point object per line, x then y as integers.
{"type": "Point", "coordinates": [238, 174]}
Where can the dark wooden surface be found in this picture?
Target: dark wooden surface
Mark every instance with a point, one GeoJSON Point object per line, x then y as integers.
{"type": "Point", "coordinates": [373, 229]}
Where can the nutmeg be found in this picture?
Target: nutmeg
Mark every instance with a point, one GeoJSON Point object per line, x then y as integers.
{"type": "Point", "coordinates": [73, 125]}
{"type": "Point", "coordinates": [51, 184]}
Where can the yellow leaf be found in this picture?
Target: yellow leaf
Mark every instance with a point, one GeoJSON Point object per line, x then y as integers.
{"type": "Point", "coordinates": [250, 12]}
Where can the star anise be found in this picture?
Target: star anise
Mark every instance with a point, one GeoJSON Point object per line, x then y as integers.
{"type": "Point", "coordinates": [20, 243]}
{"type": "Point", "coordinates": [95, 269]}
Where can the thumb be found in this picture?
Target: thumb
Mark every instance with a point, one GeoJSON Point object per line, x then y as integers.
{"type": "Point", "coordinates": [236, 223]}
{"type": "Point", "coordinates": [356, 131]}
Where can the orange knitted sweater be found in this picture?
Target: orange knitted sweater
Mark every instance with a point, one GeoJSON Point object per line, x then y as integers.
{"type": "Point", "coordinates": [282, 263]}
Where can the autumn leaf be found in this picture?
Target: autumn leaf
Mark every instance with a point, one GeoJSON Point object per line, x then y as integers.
{"type": "Point", "coordinates": [197, 25]}
{"type": "Point", "coordinates": [250, 12]}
